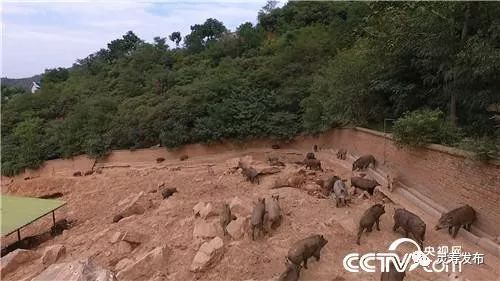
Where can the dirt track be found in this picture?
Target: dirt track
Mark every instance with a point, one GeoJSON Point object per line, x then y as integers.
{"type": "Point", "coordinates": [93, 200]}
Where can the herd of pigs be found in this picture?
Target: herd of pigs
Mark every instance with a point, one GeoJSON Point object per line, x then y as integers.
{"type": "Point", "coordinates": [267, 211]}
{"type": "Point", "coordinates": [267, 214]}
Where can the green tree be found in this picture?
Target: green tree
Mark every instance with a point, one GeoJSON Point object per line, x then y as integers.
{"type": "Point", "coordinates": [175, 37]}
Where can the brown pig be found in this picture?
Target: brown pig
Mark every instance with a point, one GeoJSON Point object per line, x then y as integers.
{"type": "Point", "coordinates": [341, 154]}
{"type": "Point", "coordinates": [225, 217]}
{"type": "Point", "coordinates": [364, 184]}
{"type": "Point", "coordinates": [257, 220]}
{"type": "Point", "coordinates": [292, 272]}
{"type": "Point", "coordinates": [369, 217]}
{"type": "Point", "coordinates": [461, 216]}
{"type": "Point", "coordinates": [273, 211]}
{"type": "Point", "coordinates": [313, 164]}
{"type": "Point", "coordinates": [363, 162]}
{"type": "Point", "coordinates": [303, 249]}
{"type": "Point", "coordinates": [410, 223]}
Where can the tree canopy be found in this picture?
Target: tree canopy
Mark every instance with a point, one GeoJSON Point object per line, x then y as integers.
{"type": "Point", "coordinates": [303, 68]}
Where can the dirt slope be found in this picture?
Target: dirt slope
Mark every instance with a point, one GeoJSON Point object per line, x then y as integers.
{"type": "Point", "coordinates": [93, 201]}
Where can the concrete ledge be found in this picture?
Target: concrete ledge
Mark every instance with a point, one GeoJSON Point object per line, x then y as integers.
{"type": "Point", "coordinates": [476, 236]}
{"type": "Point", "coordinates": [435, 147]}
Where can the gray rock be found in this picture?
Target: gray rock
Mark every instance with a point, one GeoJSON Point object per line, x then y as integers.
{"type": "Point", "coordinates": [80, 270]}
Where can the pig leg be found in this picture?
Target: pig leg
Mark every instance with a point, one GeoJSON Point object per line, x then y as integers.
{"type": "Point", "coordinates": [360, 231]}
{"type": "Point", "coordinates": [305, 261]}
{"type": "Point", "coordinates": [395, 227]}
{"type": "Point", "coordinates": [369, 228]}
{"type": "Point", "coordinates": [456, 231]}
{"type": "Point", "coordinates": [317, 254]}
{"type": "Point", "coordinates": [378, 222]}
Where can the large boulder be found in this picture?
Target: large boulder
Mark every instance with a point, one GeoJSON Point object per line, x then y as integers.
{"type": "Point", "coordinates": [239, 208]}
{"type": "Point", "coordinates": [134, 237]}
{"type": "Point", "coordinates": [204, 210]}
{"type": "Point", "coordinates": [80, 270]}
{"type": "Point", "coordinates": [116, 237]}
{"type": "Point", "coordinates": [197, 208]}
{"type": "Point", "coordinates": [16, 259]}
{"type": "Point", "coordinates": [205, 230]}
{"type": "Point", "coordinates": [123, 263]}
{"type": "Point", "coordinates": [237, 228]}
{"type": "Point", "coordinates": [208, 255]}
{"type": "Point", "coordinates": [123, 248]}
{"type": "Point", "coordinates": [136, 206]}
{"type": "Point", "coordinates": [145, 266]}
{"type": "Point", "coordinates": [208, 211]}
{"type": "Point", "coordinates": [52, 253]}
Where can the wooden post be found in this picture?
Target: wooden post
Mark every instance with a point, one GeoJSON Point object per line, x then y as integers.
{"type": "Point", "coordinates": [18, 234]}
{"type": "Point", "coordinates": [54, 218]}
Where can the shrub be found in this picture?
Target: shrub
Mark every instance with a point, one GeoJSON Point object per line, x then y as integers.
{"type": "Point", "coordinates": [483, 149]}
{"type": "Point", "coordinates": [422, 127]}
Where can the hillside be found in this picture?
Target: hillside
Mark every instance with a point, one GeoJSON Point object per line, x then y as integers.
{"type": "Point", "coordinates": [93, 201]}
{"type": "Point", "coordinates": [23, 83]}
{"type": "Point", "coordinates": [302, 68]}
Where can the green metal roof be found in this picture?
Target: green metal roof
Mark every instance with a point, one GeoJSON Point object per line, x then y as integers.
{"type": "Point", "coordinates": [16, 212]}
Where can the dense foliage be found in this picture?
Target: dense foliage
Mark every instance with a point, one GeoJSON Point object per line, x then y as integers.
{"type": "Point", "coordinates": [305, 67]}
{"type": "Point", "coordinates": [422, 127]}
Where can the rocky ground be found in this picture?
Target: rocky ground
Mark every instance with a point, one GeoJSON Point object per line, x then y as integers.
{"type": "Point", "coordinates": [171, 239]}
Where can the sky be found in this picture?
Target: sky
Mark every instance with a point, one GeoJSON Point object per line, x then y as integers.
{"type": "Point", "coordinates": [37, 34]}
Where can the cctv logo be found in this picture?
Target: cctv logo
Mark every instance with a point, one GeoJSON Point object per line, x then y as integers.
{"type": "Point", "coordinates": [368, 262]}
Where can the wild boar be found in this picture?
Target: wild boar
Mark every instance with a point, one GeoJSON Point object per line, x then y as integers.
{"type": "Point", "coordinates": [292, 272]}
{"type": "Point", "coordinates": [303, 249]}
{"type": "Point", "coordinates": [275, 146]}
{"type": "Point", "coordinates": [341, 194]}
{"type": "Point", "coordinates": [461, 216]}
{"type": "Point", "coordinates": [167, 192]}
{"type": "Point", "coordinates": [410, 223]}
{"type": "Point", "coordinates": [342, 154]}
{"type": "Point", "coordinates": [313, 164]}
{"type": "Point", "coordinates": [183, 157]}
{"type": "Point", "coordinates": [77, 174]}
{"type": "Point", "coordinates": [160, 159]}
{"type": "Point", "coordinates": [225, 217]}
{"type": "Point", "coordinates": [310, 155]}
{"type": "Point", "coordinates": [369, 217]}
{"type": "Point", "coordinates": [363, 162]}
{"type": "Point", "coordinates": [251, 174]}
{"type": "Point", "coordinates": [257, 219]}
{"type": "Point", "coordinates": [327, 185]}
{"type": "Point", "coordinates": [273, 211]}
{"type": "Point", "coordinates": [364, 184]}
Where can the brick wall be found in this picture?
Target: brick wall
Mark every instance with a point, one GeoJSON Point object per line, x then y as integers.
{"type": "Point", "coordinates": [440, 173]}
